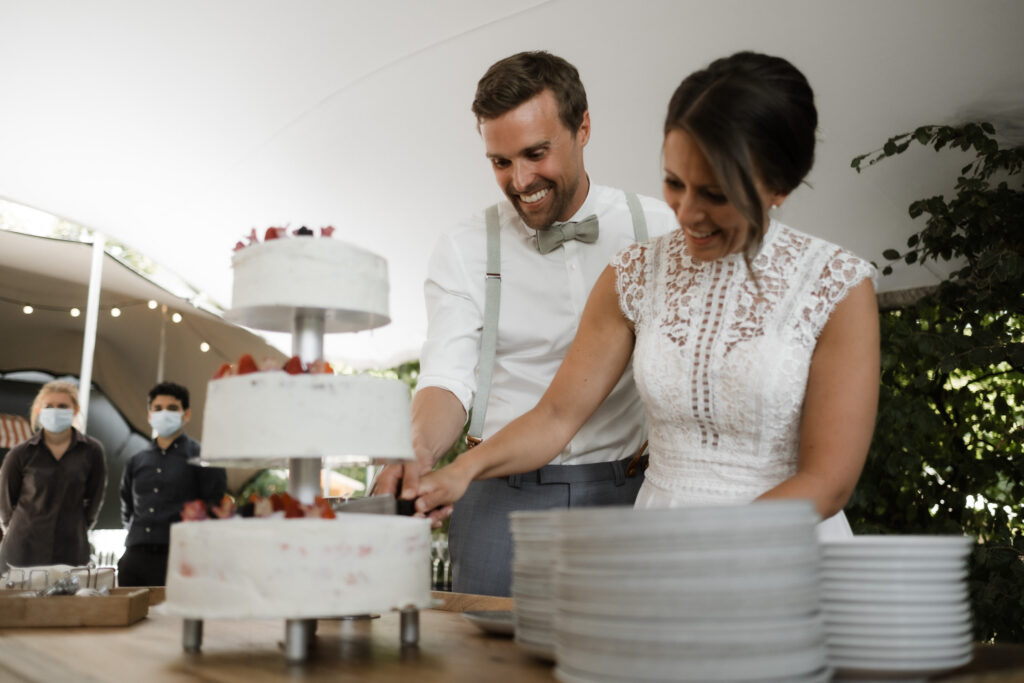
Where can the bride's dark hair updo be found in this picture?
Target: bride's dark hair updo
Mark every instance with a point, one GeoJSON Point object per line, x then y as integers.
{"type": "Point", "coordinates": [753, 117]}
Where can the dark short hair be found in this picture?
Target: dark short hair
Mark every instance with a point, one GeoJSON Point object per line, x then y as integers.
{"type": "Point", "coordinates": [521, 77]}
{"type": "Point", "coordinates": [170, 389]}
{"type": "Point", "coordinates": [753, 116]}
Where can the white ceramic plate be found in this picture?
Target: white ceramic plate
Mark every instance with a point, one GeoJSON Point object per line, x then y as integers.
{"type": "Point", "coordinates": [882, 668]}
{"type": "Point", "coordinates": [495, 622]}
{"type": "Point", "coordinates": [899, 643]}
{"type": "Point", "coordinates": [785, 665]}
{"type": "Point", "coordinates": [923, 627]}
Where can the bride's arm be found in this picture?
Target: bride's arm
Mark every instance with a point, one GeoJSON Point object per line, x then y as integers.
{"type": "Point", "coordinates": [594, 363]}
{"type": "Point", "coordinates": [839, 406]}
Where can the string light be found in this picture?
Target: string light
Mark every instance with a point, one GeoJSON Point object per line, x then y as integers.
{"type": "Point", "coordinates": [115, 312]}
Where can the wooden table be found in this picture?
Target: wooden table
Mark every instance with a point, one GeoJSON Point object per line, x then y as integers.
{"type": "Point", "coordinates": [450, 649]}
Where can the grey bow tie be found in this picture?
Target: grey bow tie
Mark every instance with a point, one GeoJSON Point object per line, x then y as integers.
{"type": "Point", "coordinates": [550, 238]}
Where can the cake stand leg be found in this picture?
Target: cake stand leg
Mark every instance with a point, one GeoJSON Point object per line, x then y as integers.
{"type": "Point", "coordinates": [192, 635]}
{"type": "Point", "coordinates": [410, 626]}
{"type": "Point", "coordinates": [298, 636]}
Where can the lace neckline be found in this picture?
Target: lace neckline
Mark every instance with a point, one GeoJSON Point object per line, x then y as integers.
{"type": "Point", "coordinates": [770, 234]}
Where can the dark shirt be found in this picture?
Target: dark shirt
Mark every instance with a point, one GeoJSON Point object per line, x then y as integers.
{"type": "Point", "coordinates": [47, 505]}
{"type": "Point", "coordinates": [156, 484]}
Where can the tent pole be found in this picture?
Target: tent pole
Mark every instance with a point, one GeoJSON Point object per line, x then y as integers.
{"type": "Point", "coordinates": [92, 310]}
{"type": "Point", "coordinates": [163, 345]}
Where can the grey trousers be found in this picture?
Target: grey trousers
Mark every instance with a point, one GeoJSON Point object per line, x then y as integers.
{"type": "Point", "coordinates": [479, 539]}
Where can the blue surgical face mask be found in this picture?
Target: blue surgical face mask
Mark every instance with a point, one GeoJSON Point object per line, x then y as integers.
{"type": "Point", "coordinates": [165, 422]}
{"type": "Point", "coordinates": [56, 420]}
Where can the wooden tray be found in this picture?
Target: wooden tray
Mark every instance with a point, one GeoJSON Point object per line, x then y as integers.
{"type": "Point", "coordinates": [122, 607]}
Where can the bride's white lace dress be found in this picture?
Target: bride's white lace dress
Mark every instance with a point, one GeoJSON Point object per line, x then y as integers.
{"type": "Point", "coordinates": [722, 357]}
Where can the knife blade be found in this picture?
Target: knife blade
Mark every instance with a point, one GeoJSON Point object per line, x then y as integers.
{"type": "Point", "coordinates": [382, 504]}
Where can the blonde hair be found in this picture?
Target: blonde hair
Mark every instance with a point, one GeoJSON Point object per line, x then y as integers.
{"type": "Point", "coordinates": [57, 386]}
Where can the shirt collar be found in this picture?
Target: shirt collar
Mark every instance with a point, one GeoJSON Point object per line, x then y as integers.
{"type": "Point", "coordinates": [37, 438]}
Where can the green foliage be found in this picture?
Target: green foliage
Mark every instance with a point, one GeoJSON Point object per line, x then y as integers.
{"type": "Point", "coordinates": [948, 450]}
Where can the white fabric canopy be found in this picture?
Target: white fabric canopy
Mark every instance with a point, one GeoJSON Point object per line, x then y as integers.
{"type": "Point", "coordinates": [175, 127]}
{"type": "Point", "coordinates": [53, 275]}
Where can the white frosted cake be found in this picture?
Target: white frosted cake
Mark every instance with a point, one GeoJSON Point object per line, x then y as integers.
{"type": "Point", "coordinates": [265, 415]}
{"type": "Point", "coordinates": [298, 568]}
{"type": "Point", "coordinates": [274, 278]}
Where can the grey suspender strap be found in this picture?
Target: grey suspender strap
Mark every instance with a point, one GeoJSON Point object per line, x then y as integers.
{"type": "Point", "coordinates": [639, 220]}
{"type": "Point", "coordinates": [489, 336]}
{"type": "Point", "coordinates": [492, 302]}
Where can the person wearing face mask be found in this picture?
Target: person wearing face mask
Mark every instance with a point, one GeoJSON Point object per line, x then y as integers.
{"type": "Point", "coordinates": [51, 486]}
{"type": "Point", "coordinates": [156, 484]}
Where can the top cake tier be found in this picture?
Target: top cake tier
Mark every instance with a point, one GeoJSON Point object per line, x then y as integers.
{"type": "Point", "coordinates": [274, 280]}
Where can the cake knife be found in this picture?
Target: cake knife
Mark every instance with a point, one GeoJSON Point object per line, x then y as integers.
{"type": "Point", "coordinates": [382, 504]}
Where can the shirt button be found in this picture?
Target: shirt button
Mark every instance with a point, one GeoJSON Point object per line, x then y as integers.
{"type": "Point", "coordinates": [156, 490]}
{"type": "Point", "coordinates": [159, 471]}
{"type": "Point", "coordinates": [151, 509]}
{"type": "Point", "coordinates": [147, 529]}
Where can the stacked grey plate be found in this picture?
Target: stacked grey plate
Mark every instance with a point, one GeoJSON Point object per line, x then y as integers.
{"type": "Point", "coordinates": [896, 606]}
{"type": "Point", "coordinates": [696, 594]}
{"type": "Point", "coordinates": [535, 553]}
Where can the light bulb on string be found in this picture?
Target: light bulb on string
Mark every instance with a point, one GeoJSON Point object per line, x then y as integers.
{"type": "Point", "coordinates": [176, 318]}
{"type": "Point", "coordinates": [152, 304]}
{"type": "Point", "coordinates": [115, 312]}
{"type": "Point", "coordinates": [27, 310]}
{"type": "Point", "coordinates": [204, 347]}
{"type": "Point", "coordinates": [75, 312]}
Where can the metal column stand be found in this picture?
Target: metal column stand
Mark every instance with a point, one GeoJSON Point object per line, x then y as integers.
{"type": "Point", "coordinates": [192, 635]}
{"type": "Point", "coordinates": [410, 627]}
{"type": "Point", "coordinates": [304, 473]}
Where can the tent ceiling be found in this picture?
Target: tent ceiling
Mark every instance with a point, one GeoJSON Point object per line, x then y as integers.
{"type": "Point", "coordinates": [177, 127]}
{"type": "Point", "coordinates": [53, 276]}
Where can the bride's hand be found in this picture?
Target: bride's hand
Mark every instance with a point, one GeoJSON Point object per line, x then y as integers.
{"type": "Point", "coordinates": [439, 490]}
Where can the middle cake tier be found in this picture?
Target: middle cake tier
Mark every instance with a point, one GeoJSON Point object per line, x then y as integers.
{"type": "Point", "coordinates": [254, 418]}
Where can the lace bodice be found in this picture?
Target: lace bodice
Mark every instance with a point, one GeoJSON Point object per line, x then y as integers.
{"type": "Point", "coordinates": [722, 356]}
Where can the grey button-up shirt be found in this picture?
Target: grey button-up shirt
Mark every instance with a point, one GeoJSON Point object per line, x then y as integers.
{"type": "Point", "coordinates": [156, 484]}
{"type": "Point", "coordinates": [47, 505]}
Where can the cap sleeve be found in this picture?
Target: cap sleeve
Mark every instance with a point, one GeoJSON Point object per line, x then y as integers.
{"type": "Point", "coordinates": [631, 280]}
{"type": "Point", "coordinates": [841, 272]}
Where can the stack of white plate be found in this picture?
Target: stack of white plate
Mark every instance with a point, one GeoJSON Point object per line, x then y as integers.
{"type": "Point", "coordinates": [535, 553]}
{"type": "Point", "coordinates": [896, 606]}
{"type": "Point", "coordinates": [696, 594]}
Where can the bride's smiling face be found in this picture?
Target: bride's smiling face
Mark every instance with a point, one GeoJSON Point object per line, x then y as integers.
{"type": "Point", "coordinates": [711, 224]}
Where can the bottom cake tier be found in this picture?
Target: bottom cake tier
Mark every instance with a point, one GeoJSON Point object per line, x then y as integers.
{"type": "Point", "coordinates": [250, 568]}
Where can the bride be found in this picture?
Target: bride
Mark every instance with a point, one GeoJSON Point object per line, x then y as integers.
{"type": "Point", "coordinates": [755, 347]}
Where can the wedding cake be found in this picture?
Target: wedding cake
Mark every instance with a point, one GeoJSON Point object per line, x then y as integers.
{"type": "Point", "coordinates": [274, 278]}
{"type": "Point", "coordinates": [306, 567]}
{"type": "Point", "coordinates": [298, 568]}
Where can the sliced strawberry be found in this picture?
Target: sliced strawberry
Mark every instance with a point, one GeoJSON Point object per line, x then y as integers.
{"type": "Point", "coordinates": [223, 371]}
{"type": "Point", "coordinates": [322, 508]}
{"type": "Point", "coordinates": [328, 368]}
{"type": "Point", "coordinates": [252, 237]}
{"type": "Point", "coordinates": [293, 366]}
{"type": "Point", "coordinates": [193, 511]}
{"type": "Point", "coordinates": [225, 509]}
{"type": "Point", "coordinates": [275, 233]}
{"type": "Point", "coordinates": [277, 501]}
{"type": "Point", "coordinates": [239, 245]}
{"type": "Point", "coordinates": [246, 365]}
{"type": "Point", "coordinates": [292, 507]}
{"type": "Point", "coordinates": [327, 232]}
